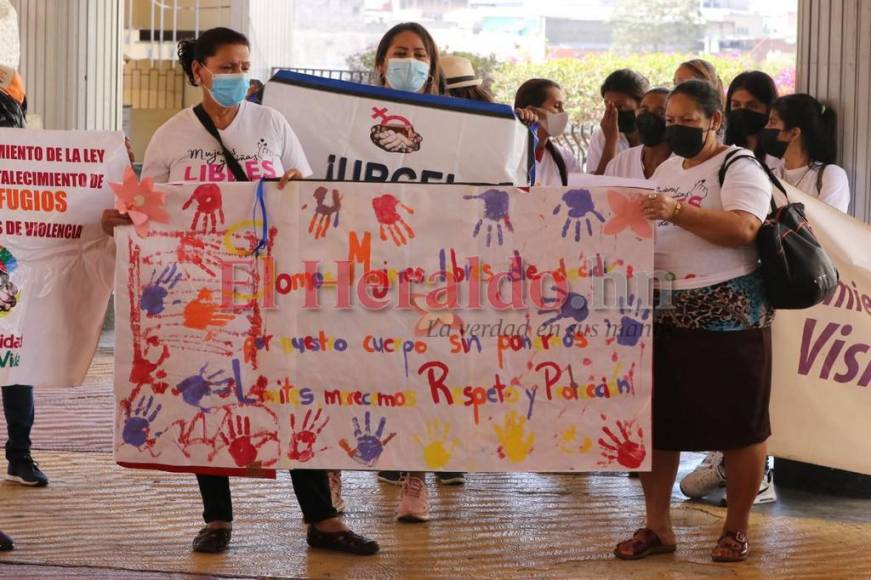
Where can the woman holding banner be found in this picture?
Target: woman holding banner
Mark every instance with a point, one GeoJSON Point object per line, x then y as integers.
{"type": "Point", "coordinates": [201, 144]}
{"type": "Point", "coordinates": [407, 59]}
{"type": "Point", "coordinates": [541, 102]}
{"type": "Point", "coordinates": [702, 400]}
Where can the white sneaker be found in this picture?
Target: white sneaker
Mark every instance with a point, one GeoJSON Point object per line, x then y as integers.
{"type": "Point", "coordinates": [413, 500]}
{"type": "Point", "coordinates": [335, 479]}
{"type": "Point", "coordinates": [766, 493]}
{"type": "Point", "coordinates": [708, 477]}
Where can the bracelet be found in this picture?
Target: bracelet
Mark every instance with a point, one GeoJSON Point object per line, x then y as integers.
{"type": "Point", "coordinates": [678, 206]}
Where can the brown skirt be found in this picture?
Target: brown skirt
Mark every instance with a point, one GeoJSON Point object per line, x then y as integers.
{"type": "Point", "coordinates": [710, 388]}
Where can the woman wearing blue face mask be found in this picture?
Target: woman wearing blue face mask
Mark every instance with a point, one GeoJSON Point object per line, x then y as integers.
{"type": "Point", "coordinates": [407, 59]}
{"type": "Point", "coordinates": [185, 148]}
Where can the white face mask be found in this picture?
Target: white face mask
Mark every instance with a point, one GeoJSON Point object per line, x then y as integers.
{"type": "Point", "coordinates": [555, 124]}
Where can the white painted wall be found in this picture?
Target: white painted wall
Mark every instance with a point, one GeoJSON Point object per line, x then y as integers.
{"type": "Point", "coordinates": [71, 61]}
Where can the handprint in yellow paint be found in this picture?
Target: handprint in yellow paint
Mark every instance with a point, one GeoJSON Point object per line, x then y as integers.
{"type": "Point", "coordinates": [516, 443]}
{"type": "Point", "coordinates": [438, 445]}
{"type": "Point", "coordinates": [568, 442]}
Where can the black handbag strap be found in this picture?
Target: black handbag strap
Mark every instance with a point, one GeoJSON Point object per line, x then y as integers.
{"type": "Point", "coordinates": [229, 158]}
{"type": "Point", "coordinates": [734, 156]}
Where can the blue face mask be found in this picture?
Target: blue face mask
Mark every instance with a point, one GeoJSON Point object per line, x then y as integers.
{"type": "Point", "coordinates": [230, 89]}
{"type": "Point", "coordinates": [407, 74]}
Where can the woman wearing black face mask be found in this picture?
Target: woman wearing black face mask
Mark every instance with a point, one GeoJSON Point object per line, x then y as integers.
{"type": "Point", "coordinates": [640, 162]}
{"type": "Point", "coordinates": [748, 105]}
{"type": "Point", "coordinates": [702, 399]}
{"type": "Point", "coordinates": [801, 131]}
{"type": "Point", "coordinates": [622, 92]}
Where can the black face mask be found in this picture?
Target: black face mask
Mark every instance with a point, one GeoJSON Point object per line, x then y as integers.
{"type": "Point", "coordinates": [626, 121]}
{"type": "Point", "coordinates": [686, 142]}
{"type": "Point", "coordinates": [771, 144]}
{"type": "Point", "coordinates": [651, 127]}
{"type": "Point", "coordinates": [744, 122]}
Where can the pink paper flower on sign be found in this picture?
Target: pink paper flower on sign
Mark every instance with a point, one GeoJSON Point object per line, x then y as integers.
{"type": "Point", "coordinates": [140, 201]}
{"type": "Point", "coordinates": [627, 214]}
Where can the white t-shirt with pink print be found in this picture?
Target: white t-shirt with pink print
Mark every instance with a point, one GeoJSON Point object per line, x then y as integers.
{"type": "Point", "coordinates": [260, 138]}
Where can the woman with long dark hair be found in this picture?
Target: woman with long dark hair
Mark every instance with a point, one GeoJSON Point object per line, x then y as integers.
{"type": "Point", "coordinates": [182, 149]}
{"type": "Point", "coordinates": [802, 132]}
{"type": "Point", "coordinates": [702, 400]}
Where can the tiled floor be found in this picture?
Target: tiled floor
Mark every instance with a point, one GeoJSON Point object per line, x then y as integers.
{"type": "Point", "coordinates": [97, 520]}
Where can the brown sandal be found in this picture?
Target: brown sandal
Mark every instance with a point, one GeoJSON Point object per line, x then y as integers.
{"type": "Point", "coordinates": [644, 543]}
{"type": "Point", "coordinates": [735, 546]}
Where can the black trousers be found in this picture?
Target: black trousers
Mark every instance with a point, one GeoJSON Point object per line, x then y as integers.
{"type": "Point", "coordinates": [18, 408]}
{"type": "Point", "coordinates": [311, 486]}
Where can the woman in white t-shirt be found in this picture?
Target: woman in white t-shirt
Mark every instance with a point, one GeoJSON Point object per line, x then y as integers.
{"type": "Point", "coordinates": [622, 92]}
{"type": "Point", "coordinates": [802, 132]}
{"type": "Point", "coordinates": [640, 162]}
{"type": "Point", "coordinates": [712, 352]}
{"type": "Point", "coordinates": [542, 101]}
{"type": "Point", "coordinates": [265, 146]}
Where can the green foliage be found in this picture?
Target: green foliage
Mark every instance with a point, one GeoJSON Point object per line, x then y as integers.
{"type": "Point", "coordinates": [582, 77]}
{"type": "Point", "coordinates": [362, 61]}
{"type": "Point", "coordinates": [656, 25]}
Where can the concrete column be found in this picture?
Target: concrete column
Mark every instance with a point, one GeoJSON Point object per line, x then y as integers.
{"type": "Point", "coordinates": [834, 65]}
{"type": "Point", "coordinates": [71, 61]}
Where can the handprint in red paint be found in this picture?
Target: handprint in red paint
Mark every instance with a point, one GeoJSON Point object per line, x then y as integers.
{"type": "Point", "coordinates": [209, 205]}
{"type": "Point", "coordinates": [302, 442]}
{"type": "Point", "coordinates": [238, 441]}
{"type": "Point", "coordinates": [625, 451]}
{"type": "Point", "coordinates": [390, 220]}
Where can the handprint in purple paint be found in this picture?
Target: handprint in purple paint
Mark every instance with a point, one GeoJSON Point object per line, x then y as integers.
{"type": "Point", "coordinates": [153, 295]}
{"type": "Point", "coordinates": [633, 316]}
{"type": "Point", "coordinates": [369, 447]}
{"type": "Point", "coordinates": [197, 387]}
{"type": "Point", "coordinates": [569, 305]}
{"type": "Point", "coordinates": [580, 205]}
{"type": "Point", "coordinates": [495, 212]}
{"type": "Point", "coordinates": [137, 427]}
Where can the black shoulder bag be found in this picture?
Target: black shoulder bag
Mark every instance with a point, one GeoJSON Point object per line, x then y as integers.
{"type": "Point", "coordinates": [796, 269]}
{"type": "Point", "coordinates": [229, 158]}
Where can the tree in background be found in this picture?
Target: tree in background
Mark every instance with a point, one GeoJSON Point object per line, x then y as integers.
{"type": "Point", "coordinates": [657, 25]}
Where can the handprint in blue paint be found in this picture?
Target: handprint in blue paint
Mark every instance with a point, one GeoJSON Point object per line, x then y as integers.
{"type": "Point", "coordinates": [197, 387]}
{"type": "Point", "coordinates": [137, 427]}
{"type": "Point", "coordinates": [153, 295]}
{"type": "Point", "coordinates": [369, 447]}
{"type": "Point", "coordinates": [495, 212]}
{"type": "Point", "coordinates": [631, 327]}
{"type": "Point", "coordinates": [580, 205]}
{"type": "Point", "coordinates": [570, 306]}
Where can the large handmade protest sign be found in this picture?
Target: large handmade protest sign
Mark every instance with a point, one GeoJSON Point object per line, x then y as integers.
{"type": "Point", "coordinates": [56, 265]}
{"type": "Point", "coordinates": [355, 132]}
{"type": "Point", "coordinates": [821, 397]}
{"type": "Point", "coordinates": [361, 326]}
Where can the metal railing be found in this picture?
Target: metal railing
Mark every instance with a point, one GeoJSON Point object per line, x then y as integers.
{"type": "Point", "coordinates": [353, 76]}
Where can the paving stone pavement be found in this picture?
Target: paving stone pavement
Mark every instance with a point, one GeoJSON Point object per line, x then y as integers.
{"type": "Point", "coordinates": [98, 520]}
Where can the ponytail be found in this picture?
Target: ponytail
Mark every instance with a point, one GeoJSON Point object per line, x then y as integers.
{"type": "Point", "coordinates": [208, 43]}
{"type": "Point", "coordinates": [828, 150]}
{"type": "Point", "coordinates": [186, 51]}
{"type": "Point", "coordinates": [560, 162]}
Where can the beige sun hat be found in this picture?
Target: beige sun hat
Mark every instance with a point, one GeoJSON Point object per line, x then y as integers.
{"type": "Point", "coordinates": [459, 72]}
